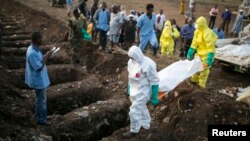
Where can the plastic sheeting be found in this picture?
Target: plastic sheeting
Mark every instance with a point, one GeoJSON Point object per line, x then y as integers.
{"type": "Point", "coordinates": [222, 42]}
{"type": "Point", "coordinates": [173, 75]}
{"type": "Point", "coordinates": [234, 50]}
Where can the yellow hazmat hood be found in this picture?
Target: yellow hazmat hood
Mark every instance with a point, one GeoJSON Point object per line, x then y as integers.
{"type": "Point", "coordinates": [201, 23]}
{"type": "Point", "coordinates": [168, 23]}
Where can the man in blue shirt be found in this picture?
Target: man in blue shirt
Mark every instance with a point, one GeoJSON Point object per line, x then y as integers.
{"type": "Point", "coordinates": [36, 76]}
{"type": "Point", "coordinates": [102, 17]}
{"type": "Point", "coordinates": [219, 32]}
{"type": "Point", "coordinates": [187, 33]}
{"type": "Point", "coordinates": [146, 29]}
{"type": "Point", "coordinates": [226, 17]}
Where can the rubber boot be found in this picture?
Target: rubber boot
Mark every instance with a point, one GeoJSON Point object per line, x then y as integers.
{"type": "Point", "coordinates": [128, 135]}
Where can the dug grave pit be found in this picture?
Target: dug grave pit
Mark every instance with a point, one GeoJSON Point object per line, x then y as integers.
{"type": "Point", "coordinates": [57, 73]}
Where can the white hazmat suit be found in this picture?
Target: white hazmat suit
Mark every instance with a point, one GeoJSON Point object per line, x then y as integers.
{"type": "Point", "coordinates": [142, 77]}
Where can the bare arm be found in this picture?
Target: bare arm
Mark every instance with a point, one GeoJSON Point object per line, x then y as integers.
{"type": "Point", "coordinates": [138, 34]}
{"type": "Point", "coordinates": [46, 56]}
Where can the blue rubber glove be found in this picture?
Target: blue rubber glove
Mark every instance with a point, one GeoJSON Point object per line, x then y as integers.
{"type": "Point", "coordinates": [210, 59]}
{"type": "Point", "coordinates": [190, 53]}
{"type": "Point", "coordinates": [154, 98]}
{"type": "Point", "coordinates": [128, 88]}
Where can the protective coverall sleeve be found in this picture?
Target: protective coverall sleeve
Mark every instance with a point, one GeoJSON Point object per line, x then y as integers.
{"type": "Point", "coordinates": [210, 38]}
{"type": "Point", "coordinates": [153, 79]}
{"type": "Point", "coordinates": [190, 53]}
{"type": "Point", "coordinates": [210, 58]}
{"type": "Point", "coordinates": [176, 33]}
{"type": "Point", "coordinates": [155, 99]}
{"type": "Point", "coordinates": [194, 44]}
{"type": "Point", "coordinates": [152, 75]}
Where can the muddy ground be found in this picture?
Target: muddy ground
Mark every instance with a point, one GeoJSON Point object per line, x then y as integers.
{"type": "Point", "coordinates": [88, 101]}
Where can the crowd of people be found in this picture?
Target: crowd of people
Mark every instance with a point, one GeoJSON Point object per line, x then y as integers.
{"type": "Point", "coordinates": [127, 29]}
{"type": "Point", "coordinates": [123, 28]}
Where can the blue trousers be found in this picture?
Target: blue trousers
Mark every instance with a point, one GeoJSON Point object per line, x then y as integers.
{"type": "Point", "coordinates": [144, 40]}
{"type": "Point", "coordinates": [41, 105]}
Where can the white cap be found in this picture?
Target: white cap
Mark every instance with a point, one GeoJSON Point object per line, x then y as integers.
{"type": "Point", "coordinates": [241, 10]}
{"type": "Point", "coordinates": [130, 15]}
{"type": "Point", "coordinates": [132, 11]}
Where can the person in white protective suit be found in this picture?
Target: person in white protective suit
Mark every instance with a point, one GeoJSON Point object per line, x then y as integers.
{"type": "Point", "coordinates": [143, 82]}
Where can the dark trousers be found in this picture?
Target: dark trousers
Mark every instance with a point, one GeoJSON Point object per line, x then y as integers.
{"type": "Point", "coordinates": [75, 45]}
{"type": "Point", "coordinates": [212, 21]}
{"type": "Point", "coordinates": [155, 51]}
{"type": "Point", "coordinates": [187, 44]}
{"type": "Point", "coordinates": [102, 38]}
{"type": "Point", "coordinates": [158, 35]}
{"type": "Point", "coordinates": [225, 25]}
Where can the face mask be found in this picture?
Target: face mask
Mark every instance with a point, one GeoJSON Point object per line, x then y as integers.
{"type": "Point", "coordinates": [226, 10]}
{"type": "Point", "coordinates": [198, 27]}
{"type": "Point", "coordinates": [195, 25]}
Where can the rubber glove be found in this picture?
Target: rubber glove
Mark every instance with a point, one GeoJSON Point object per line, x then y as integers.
{"type": "Point", "coordinates": [128, 88]}
{"type": "Point", "coordinates": [154, 98]}
{"type": "Point", "coordinates": [210, 58]}
{"type": "Point", "coordinates": [190, 53]}
{"type": "Point", "coordinates": [85, 35]}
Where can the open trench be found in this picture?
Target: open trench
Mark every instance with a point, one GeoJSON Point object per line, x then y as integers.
{"type": "Point", "coordinates": [84, 101]}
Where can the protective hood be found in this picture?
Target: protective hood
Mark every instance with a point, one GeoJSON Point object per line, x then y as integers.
{"type": "Point", "coordinates": [136, 53]}
{"type": "Point", "coordinates": [201, 23]}
{"type": "Point", "coordinates": [168, 24]}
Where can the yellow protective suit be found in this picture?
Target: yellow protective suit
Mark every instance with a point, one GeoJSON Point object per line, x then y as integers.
{"type": "Point", "coordinates": [204, 43]}
{"type": "Point", "coordinates": [167, 38]}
